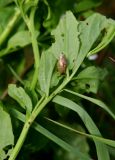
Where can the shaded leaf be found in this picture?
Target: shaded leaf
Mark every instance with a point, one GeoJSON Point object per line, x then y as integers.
{"type": "Point", "coordinates": [5, 15]}
{"type": "Point", "coordinates": [19, 94]}
{"type": "Point", "coordinates": [6, 132]}
{"type": "Point", "coordinates": [92, 72]}
{"type": "Point", "coordinates": [107, 38]}
{"type": "Point", "coordinates": [89, 78]}
{"type": "Point", "coordinates": [20, 39]}
{"type": "Point", "coordinates": [5, 2]}
{"type": "Point", "coordinates": [102, 151]}
{"type": "Point", "coordinates": [86, 5]}
{"type": "Point", "coordinates": [51, 136]}
{"type": "Point", "coordinates": [100, 139]}
{"type": "Point", "coordinates": [93, 100]}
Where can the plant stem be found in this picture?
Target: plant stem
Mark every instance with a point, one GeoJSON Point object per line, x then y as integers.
{"type": "Point", "coordinates": [20, 141]}
{"type": "Point", "coordinates": [35, 47]}
{"type": "Point", "coordinates": [9, 27]}
{"type": "Point", "coordinates": [38, 109]}
{"type": "Point", "coordinates": [26, 129]}
{"type": "Point", "coordinates": [36, 57]}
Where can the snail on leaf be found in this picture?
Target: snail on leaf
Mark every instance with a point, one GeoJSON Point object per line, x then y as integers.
{"type": "Point", "coordinates": [62, 64]}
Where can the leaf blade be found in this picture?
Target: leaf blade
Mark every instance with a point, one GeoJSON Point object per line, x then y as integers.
{"type": "Point", "coordinates": [19, 94]}
{"type": "Point", "coordinates": [104, 140]}
{"type": "Point", "coordinates": [102, 151]}
{"type": "Point", "coordinates": [95, 101]}
{"type": "Point", "coordinates": [49, 135]}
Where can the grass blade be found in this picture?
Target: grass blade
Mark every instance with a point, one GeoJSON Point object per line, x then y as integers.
{"type": "Point", "coordinates": [93, 100]}
{"type": "Point", "coordinates": [100, 139]}
{"type": "Point", "coordinates": [101, 148]}
{"type": "Point", "coordinates": [50, 135]}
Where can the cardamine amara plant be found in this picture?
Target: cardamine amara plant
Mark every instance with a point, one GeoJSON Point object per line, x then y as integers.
{"type": "Point", "coordinates": [47, 53]}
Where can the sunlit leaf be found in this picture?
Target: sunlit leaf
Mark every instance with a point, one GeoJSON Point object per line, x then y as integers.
{"type": "Point", "coordinates": [66, 38]}
{"type": "Point", "coordinates": [47, 64]}
{"type": "Point", "coordinates": [107, 38]}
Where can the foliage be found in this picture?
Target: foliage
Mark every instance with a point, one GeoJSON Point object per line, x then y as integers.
{"type": "Point", "coordinates": [40, 96]}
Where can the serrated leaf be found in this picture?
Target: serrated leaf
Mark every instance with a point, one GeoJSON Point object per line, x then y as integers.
{"type": "Point", "coordinates": [19, 94]}
{"type": "Point", "coordinates": [47, 64]}
{"type": "Point", "coordinates": [102, 151]}
{"type": "Point", "coordinates": [66, 38]}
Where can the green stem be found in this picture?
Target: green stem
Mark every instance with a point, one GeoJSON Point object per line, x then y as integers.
{"type": "Point", "coordinates": [20, 141]}
{"type": "Point", "coordinates": [35, 49]}
{"type": "Point", "coordinates": [38, 108]}
{"type": "Point", "coordinates": [9, 27]}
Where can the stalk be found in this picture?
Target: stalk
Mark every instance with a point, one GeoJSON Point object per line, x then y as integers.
{"type": "Point", "coordinates": [38, 108]}
{"type": "Point", "coordinates": [9, 27]}
{"type": "Point", "coordinates": [20, 141]}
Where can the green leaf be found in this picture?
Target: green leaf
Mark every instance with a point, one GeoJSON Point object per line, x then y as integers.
{"type": "Point", "coordinates": [93, 100]}
{"type": "Point", "coordinates": [78, 141]}
{"type": "Point", "coordinates": [6, 132]}
{"type": "Point", "coordinates": [93, 24]}
{"type": "Point", "coordinates": [86, 5]}
{"type": "Point", "coordinates": [89, 78]}
{"type": "Point", "coordinates": [92, 72]}
{"type": "Point", "coordinates": [55, 79]}
{"type": "Point", "coordinates": [5, 15]}
{"type": "Point", "coordinates": [17, 41]}
{"type": "Point", "coordinates": [66, 38]}
{"type": "Point", "coordinates": [19, 94]}
{"type": "Point", "coordinates": [102, 151]}
{"type": "Point", "coordinates": [47, 64]}
{"type": "Point", "coordinates": [5, 2]}
{"type": "Point", "coordinates": [20, 39]}
{"type": "Point", "coordinates": [50, 135]}
{"type": "Point", "coordinates": [103, 140]}
{"type": "Point", "coordinates": [107, 38]}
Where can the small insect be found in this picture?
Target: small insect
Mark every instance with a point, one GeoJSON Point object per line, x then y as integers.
{"type": "Point", "coordinates": [62, 64]}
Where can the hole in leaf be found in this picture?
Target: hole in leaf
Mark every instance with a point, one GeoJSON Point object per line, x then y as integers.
{"type": "Point", "coordinates": [7, 158]}
{"type": "Point", "coordinates": [7, 148]}
{"type": "Point", "coordinates": [62, 34]}
{"type": "Point", "coordinates": [87, 86]}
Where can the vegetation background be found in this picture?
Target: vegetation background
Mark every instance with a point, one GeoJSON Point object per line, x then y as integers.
{"type": "Point", "coordinates": [17, 67]}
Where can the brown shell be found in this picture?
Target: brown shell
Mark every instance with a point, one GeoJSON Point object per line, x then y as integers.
{"type": "Point", "coordinates": [62, 64]}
